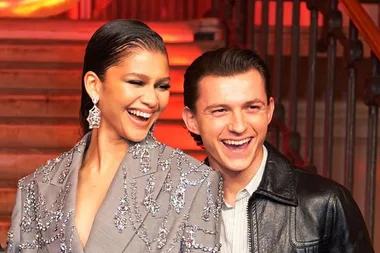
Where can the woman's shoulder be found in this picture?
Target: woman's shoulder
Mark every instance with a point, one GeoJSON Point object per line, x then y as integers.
{"type": "Point", "coordinates": [187, 164]}
{"type": "Point", "coordinates": [53, 169]}
{"type": "Point", "coordinates": [191, 178]}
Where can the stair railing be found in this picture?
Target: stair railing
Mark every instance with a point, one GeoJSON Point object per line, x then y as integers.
{"type": "Point", "coordinates": [238, 18]}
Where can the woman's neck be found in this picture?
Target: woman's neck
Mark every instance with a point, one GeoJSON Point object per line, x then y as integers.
{"type": "Point", "coordinates": [104, 152]}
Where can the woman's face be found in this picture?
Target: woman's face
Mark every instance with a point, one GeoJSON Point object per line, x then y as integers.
{"type": "Point", "coordinates": [134, 94]}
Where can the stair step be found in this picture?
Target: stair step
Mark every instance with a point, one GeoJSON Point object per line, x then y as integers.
{"type": "Point", "coordinates": [73, 52]}
{"type": "Point", "coordinates": [48, 104]}
{"type": "Point", "coordinates": [4, 226]}
{"type": "Point", "coordinates": [18, 76]}
{"type": "Point", "coordinates": [8, 191]}
{"type": "Point", "coordinates": [7, 197]}
{"type": "Point", "coordinates": [42, 106]}
{"type": "Point", "coordinates": [82, 30]}
{"type": "Point", "coordinates": [64, 133]}
{"type": "Point", "coordinates": [17, 163]}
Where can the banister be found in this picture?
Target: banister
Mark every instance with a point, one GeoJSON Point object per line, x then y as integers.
{"type": "Point", "coordinates": [364, 23]}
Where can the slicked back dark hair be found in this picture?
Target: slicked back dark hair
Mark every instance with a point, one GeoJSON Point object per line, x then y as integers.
{"type": "Point", "coordinates": [108, 46]}
{"type": "Point", "coordinates": [223, 62]}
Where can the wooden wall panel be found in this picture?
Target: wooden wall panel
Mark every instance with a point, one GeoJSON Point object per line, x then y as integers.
{"type": "Point", "coordinates": [149, 10]}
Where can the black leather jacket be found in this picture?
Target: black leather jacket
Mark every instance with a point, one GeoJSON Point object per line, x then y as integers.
{"type": "Point", "coordinates": [296, 211]}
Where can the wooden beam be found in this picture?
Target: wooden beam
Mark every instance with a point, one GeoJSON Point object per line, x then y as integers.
{"type": "Point", "coordinates": [364, 23]}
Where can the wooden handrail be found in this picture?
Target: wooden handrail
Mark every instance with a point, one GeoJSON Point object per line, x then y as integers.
{"type": "Point", "coordinates": [364, 23]}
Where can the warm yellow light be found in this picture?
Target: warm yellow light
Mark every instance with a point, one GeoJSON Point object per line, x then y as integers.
{"type": "Point", "coordinates": [4, 4]}
{"type": "Point", "coordinates": [34, 8]}
{"type": "Point", "coordinates": [52, 2]}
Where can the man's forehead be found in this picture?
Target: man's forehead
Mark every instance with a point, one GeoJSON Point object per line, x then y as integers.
{"type": "Point", "coordinates": [231, 85]}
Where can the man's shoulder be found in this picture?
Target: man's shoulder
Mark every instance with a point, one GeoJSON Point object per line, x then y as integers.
{"type": "Point", "coordinates": [310, 185]}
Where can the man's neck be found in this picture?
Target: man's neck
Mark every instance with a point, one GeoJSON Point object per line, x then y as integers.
{"type": "Point", "coordinates": [235, 181]}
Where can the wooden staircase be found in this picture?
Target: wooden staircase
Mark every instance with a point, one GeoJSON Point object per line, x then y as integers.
{"type": "Point", "coordinates": [40, 70]}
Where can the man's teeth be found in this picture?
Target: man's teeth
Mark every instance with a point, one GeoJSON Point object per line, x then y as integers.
{"type": "Point", "coordinates": [237, 143]}
{"type": "Point", "coordinates": [140, 114]}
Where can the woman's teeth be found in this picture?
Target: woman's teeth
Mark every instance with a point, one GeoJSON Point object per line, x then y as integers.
{"type": "Point", "coordinates": [144, 115]}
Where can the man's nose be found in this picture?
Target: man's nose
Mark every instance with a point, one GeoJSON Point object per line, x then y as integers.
{"type": "Point", "coordinates": [238, 123]}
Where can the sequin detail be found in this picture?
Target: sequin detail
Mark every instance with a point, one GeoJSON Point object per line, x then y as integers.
{"type": "Point", "coordinates": [38, 216]}
{"type": "Point", "coordinates": [142, 152]}
{"type": "Point", "coordinates": [46, 223]}
{"type": "Point", "coordinates": [129, 213]}
{"type": "Point", "coordinates": [10, 241]}
{"type": "Point", "coordinates": [149, 202]}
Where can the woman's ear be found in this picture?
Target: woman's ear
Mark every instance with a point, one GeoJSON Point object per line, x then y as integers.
{"type": "Point", "coordinates": [92, 84]}
{"type": "Point", "coordinates": [190, 120]}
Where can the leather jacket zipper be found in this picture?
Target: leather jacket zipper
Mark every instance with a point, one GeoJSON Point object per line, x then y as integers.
{"type": "Point", "coordinates": [249, 219]}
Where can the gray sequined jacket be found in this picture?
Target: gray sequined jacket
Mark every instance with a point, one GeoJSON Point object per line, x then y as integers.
{"type": "Point", "coordinates": [161, 200]}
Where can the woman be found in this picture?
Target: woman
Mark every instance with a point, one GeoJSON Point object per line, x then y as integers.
{"type": "Point", "coordinates": [119, 189]}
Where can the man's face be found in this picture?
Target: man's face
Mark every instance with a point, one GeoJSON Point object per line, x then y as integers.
{"type": "Point", "coordinates": [232, 116]}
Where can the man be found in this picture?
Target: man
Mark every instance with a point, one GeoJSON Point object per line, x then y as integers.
{"type": "Point", "coordinates": [269, 205]}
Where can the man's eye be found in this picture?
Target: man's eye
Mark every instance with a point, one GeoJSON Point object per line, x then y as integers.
{"type": "Point", "coordinates": [219, 111]}
{"type": "Point", "coordinates": [255, 107]}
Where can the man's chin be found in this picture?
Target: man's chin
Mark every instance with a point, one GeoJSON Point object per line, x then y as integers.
{"type": "Point", "coordinates": [235, 165]}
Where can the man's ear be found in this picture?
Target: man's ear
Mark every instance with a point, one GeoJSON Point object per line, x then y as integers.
{"type": "Point", "coordinates": [190, 120]}
{"type": "Point", "coordinates": [92, 84]}
{"type": "Point", "coordinates": [271, 108]}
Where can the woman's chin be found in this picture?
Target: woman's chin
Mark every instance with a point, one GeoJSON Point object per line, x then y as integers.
{"type": "Point", "coordinates": [136, 135]}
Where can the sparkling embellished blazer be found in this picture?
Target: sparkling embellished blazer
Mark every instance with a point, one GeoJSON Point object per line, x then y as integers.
{"type": "Point", "coordinates": [160, 200]}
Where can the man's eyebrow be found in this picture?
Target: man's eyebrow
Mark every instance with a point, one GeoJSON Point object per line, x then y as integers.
{"type": "Point", "coordinates": [212, 106]}
{"type": "Point", "coordinates": [216, 105]}
{"type": "Point", "coordinates": [256, 100]}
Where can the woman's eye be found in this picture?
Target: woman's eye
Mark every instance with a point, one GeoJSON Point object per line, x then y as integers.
{"type": "Point", "coordinates": [136, 82]}
{"type": "Point", "coordinates": [164, 86]}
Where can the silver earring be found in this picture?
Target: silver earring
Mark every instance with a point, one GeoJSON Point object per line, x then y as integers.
{"type": "Point", "coordinates": [94, 114]}
{"type": "Point", "coordinates": [151, 130]}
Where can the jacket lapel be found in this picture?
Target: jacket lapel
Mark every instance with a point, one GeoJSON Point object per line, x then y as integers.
{"type": "Point", "coordinates": [278, 181]}
{"type": "Point", "coordinates": [61, 190]}
{"type": "Point", "coordinates": [105, 236]}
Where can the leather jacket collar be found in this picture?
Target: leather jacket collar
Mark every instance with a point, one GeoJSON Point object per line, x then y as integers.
{"type": "Point", "coordinates": [278, 182]}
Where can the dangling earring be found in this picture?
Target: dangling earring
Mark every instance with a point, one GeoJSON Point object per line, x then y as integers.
{"type": "Point", "coordinates": [151, 130]}
{"type": "Point", "coordinates": [94, 114]}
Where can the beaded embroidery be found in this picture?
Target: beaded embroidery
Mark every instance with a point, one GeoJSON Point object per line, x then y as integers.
{"type": "Point", "coordinates": [39, 216]}
{"type": "Point", "coordinates": [149, 202]}
{"type": "Point", "coordinates": [142, 152]}
{"type": "Point", "coordinates": [131, 208]}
